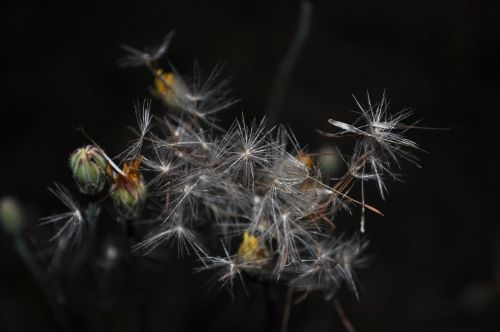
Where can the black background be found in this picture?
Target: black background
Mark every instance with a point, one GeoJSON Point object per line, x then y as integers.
{"type": "Point", "coordinates": [435, 255]}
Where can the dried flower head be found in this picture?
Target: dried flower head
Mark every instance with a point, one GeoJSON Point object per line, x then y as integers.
{"type": "Point", "coordinates": [128, 191]}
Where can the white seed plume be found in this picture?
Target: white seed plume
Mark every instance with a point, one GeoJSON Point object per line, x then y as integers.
{"type": "Point", "coordinates": [71, 225]}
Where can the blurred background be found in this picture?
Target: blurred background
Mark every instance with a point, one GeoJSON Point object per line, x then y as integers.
{"type": "Point", "coordinates": [435, 256]}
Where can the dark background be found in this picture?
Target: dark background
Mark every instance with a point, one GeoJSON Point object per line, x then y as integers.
{"type": "Point", "coordinates": [435, 255]}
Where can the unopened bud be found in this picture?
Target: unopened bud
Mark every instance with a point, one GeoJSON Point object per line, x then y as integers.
{"type": "Point", "coordinates": [11, 216]}
{"type": "Point", "coordinates": [89, 169]}
{"type": "Point", "coordinates": [128, 191]}
{"type": "Point", "coordinates": [330, 162]}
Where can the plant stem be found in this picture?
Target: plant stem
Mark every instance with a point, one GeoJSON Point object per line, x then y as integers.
{"type": "Point", "coordinates": [343, 318]}
{"type": "Point", "coordinates": [288, 63]}
{"type": "Point", "coordinates": [34, 268]}
{"type": "Point", "coordinates": [287, 309]}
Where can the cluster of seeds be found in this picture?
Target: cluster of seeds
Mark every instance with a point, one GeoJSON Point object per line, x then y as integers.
{"type": "Point", "coordinates": [252, 187]}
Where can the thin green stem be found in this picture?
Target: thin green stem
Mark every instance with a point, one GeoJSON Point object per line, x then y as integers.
{"type": "Point", "coordinates": [36, 271]}
{"type": "Point", "coordinates": [343, 317]}
{"type": "Point", "coordinates": [287, 309]}
{"type": "Point", "coordinates": [288, 63]}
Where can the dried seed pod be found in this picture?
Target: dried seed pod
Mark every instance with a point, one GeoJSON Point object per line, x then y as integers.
{"type": "Point", "coordinates": [89, 169]}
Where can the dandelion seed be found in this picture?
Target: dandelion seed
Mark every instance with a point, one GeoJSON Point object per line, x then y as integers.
{"type": "Point", "coordinates": [290, 237]}
{"type": "Point", "coordinates": [381, 141]}
{"type": "Point", "coordinates": [143, 117]}
{"type": "Point", "coordinates": [163, 165]}
{"type": "Point", "coordinates": [135, 57]}
{"type": "Point", "coordinates": [209, 96]}
{"type": "Point", "coordinates": [228, 269]}
{"type": "Point", "coordinates": [332, 263]}
{"type": "Point", "coordinates": [178, 234]}
{"type": "Point", "coordinates": [71, 225]}
{"type": "Point", "coordinates": [198, 99]}
{"type": "Point", "coordinates": [382, 132]}
{"type": "Point", "coordinates": [184, 197]}
{"type": "Point", "coordinates": [243, 149]}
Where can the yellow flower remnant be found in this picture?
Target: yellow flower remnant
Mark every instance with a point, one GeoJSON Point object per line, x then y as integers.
{"type": "Point", "coordinates": [251, 251]}
{"type": "Point", "coordinates": [128, 191]}
{"type": "Point", "coordinates": [170, 88]}
{"type": "Point", "coordinates": [164, 81]}
{"type": "Point", "coordinates": [305, 159]}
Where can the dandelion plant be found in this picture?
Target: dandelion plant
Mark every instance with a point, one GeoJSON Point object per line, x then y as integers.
{"type": "Point", "coordinates": [249, 203]}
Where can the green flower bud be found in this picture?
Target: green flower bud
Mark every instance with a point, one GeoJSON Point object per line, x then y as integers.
{"type": "Point", "coordinates": [330, 163]}
{"type": "Point", "coordinates": [11, 216]}
{"type": "Point", "coordinates": [128, 191]}
{"type": "Point", "coordinates": [89, 169]}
